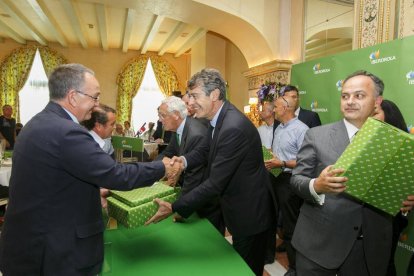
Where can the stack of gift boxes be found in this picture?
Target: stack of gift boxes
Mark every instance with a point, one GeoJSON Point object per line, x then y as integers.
{"type": "Point", "coordinates": [134, 208]}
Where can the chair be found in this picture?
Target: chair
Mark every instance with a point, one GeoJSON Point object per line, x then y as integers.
{"type": "Point", "coordinates": [129, 145]}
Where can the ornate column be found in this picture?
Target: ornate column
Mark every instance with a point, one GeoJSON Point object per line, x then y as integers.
{"type": "Point", "coordinates": [374, 22]}
{"type": "Point", "coordinates": [406, 18]}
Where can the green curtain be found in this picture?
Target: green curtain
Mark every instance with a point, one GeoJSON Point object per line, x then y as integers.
{"type": "Point", "coordinates": [51, 59]}
{"type": "Point", "coordinates": [165, 74]}
{"type": "Point", "coordinates": [14, 71]}
{"type": "Point", "coordinates": [129, 80]}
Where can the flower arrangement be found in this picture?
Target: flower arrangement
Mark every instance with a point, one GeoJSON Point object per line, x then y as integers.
{"type": "Point", "coordinates": [269, 91]}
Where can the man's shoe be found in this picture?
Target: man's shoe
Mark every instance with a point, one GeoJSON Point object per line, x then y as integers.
{"type": "Point", "coordinates": [281, 247]}
{"type": "Point", "coordinates": [290, 272]}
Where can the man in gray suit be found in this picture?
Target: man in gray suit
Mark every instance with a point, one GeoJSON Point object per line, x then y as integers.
{"type": "Point", "coordinates": [336, 235]}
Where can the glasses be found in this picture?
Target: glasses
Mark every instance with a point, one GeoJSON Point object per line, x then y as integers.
{"type": "Point", "coordinates": [287, 103]}
{"type": "Point", "coordinates": [162, 116]}
{"type": "Point", "coordinates": [96, 98]}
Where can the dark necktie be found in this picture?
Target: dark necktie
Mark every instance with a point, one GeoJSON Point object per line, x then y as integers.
{"type": "Point", "coordinates": [178, 138]}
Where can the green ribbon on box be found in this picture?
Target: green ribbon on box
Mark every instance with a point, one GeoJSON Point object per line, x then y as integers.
{"type": "Point", "coordinates": [267, 155]}
{"type": "Point", "coordinates": [379, 166]}
{"type": "Point", "coordinates": [142, 195]}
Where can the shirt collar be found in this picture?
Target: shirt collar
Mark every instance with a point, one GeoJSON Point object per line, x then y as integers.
{"type": "Point", "coordinates": [213, 122]}
{"type": "Point", "coordinates": [297, 111]}
{"type": "Point", "coordinates": [71, 115]}
{"type": "Point", "coordinates": [97, 138]}
{"type": "Point", "coordinates": [289, 122]}
{"type": "Point", "coordinates": [350, 129]}
{"type": "Point", "coordinates": [180, 129]}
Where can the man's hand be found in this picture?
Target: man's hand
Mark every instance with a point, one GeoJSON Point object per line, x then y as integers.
{"type": "Point", "coordinates": [177, 162]}
{"type": "Point", "coordinates": [104, 194]}
{"type": "Point", "coordinates": [159, 141]}
{"type": "Point", "coordinates": [273, 163]}
{"type": "Point", "coordinates": [173, 170]}
{"type": "Point", "coordinates": [329, 182]}
{"type": "Point", "coordinates": [408, 204]}
{"type": "Point", "coordinates": [164, 211]}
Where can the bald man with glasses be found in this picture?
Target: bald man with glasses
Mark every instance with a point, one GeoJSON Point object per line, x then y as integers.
{"type": "Point", "coordinates": [288, 138]}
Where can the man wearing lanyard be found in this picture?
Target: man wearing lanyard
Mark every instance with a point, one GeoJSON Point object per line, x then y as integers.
{"type": "Point", "coordinates": [288, 138]}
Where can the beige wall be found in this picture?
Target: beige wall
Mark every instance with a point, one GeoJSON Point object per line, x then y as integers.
{"type": "Point", "coordinates": [106, 64]}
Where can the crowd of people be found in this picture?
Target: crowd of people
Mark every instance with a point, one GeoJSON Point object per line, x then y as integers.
{"type": "Point", "coordinates": [215, 154]}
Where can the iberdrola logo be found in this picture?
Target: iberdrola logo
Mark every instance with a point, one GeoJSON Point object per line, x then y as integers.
{"type": "Point", "coordinates": [410, 129]}
{"type": "Point", "coordinates": [410, 77]}
{"type": "Point", "coordinates": [317, 69]}
{"type": "Point", "coordinates": [374, 55]}
{"type": "Point", "coordinates": [375, 58]}
{"type": "Point", "coordinates": [315, 107]}
{"type": "Point", "coordinates": [339, 85]}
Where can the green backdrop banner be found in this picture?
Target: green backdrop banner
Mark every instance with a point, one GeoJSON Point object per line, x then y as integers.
{"type": "Point", "coordinates": [320, 81]}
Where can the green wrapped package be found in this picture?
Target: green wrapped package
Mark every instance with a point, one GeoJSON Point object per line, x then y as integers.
{"type": "Point", "coordinates": [379, 166]}
{"type": "Point", "coordinates": [142, 195]}
{"type": "Point", "coordinates": [134, 208]}
{"type": "Point", "coordinates": [267, 155]}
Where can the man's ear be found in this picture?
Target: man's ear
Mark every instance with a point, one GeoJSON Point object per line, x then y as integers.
{"type": "Point", "coordinates": [71, 98]}
{"type": "Point", "coordinates": [215, 95]}
{"type": "Point", "coordinates": [378, 101]}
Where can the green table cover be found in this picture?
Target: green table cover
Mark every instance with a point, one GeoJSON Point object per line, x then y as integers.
{"type": "Point", "coordinates": [166, 248]}
{"type": "Point", "coordinates": [267, 155]}
{"type": "Point", "coordinates": [379, 164]}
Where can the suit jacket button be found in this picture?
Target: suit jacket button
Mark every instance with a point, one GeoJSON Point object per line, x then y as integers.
{"type": "Point", "coordinates": [356, 228]}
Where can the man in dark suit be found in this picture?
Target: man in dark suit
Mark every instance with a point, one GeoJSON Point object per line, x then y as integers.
{"type": "Point", "coordinates": [310, 118]}
{"type": "Point", "coordinates": [235, 171]}
{"type": "Point", "coordinates": [188, 135]}
{"type": "Point", "coordinates": [334, 234]}
{"type": "Point", "coordinates": [53, 224]}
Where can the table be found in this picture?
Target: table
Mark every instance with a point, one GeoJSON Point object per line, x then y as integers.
{"type": "Point", "coordinates": [152, 149]}
{"type": "Point", "coordinates": [166, 248]}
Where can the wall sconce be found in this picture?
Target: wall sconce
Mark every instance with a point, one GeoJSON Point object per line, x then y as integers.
{"type": "Point", "coordinates": [252, 112]}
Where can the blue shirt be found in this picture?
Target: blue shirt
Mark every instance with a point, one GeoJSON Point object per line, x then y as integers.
{"type": "Point", "coordinates": [288, 140]}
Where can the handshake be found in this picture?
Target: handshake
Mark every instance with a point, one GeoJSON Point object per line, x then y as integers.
{"type": "Point", "coordinates": [173, 169]}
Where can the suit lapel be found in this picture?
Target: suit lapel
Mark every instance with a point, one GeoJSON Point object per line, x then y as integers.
{"type": "Point", "coordinates": [187, 126]}
{"type": "Point", "coordinates": [339, 137]}
{"type": "Point", "coordinates": [219, 124]}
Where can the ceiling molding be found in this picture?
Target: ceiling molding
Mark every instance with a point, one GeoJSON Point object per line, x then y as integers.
{"type": "Point", "coordinates": [190, 42]}
{"type": "Point", "coordinates": [15, 36]}
{"type": "Point", "coordinates": [102, 24]}
{"type": "Point", "coordinates": [75, 21]}
{"type": "Point", "coordinates": [14, 13]}
{"type": "Point", "coordinates": [129, 22]}
{"type": "Point", "coordinates": [47, 17]}
{"type": "Point", "coordinates": [173, 36]}
{"type": "Point", "coordinates": [154, 30]}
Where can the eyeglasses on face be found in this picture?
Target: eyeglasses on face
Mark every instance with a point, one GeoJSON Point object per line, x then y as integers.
{"type": "Point", "coordinates": [96, 98]}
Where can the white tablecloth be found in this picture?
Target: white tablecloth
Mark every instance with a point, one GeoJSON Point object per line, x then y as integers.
{"type": "Point", "coordinates": [5, 173]}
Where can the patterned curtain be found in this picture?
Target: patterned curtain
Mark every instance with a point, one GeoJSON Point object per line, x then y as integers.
{"type": "Point", "coordinates": [51, 59]}
{"type": "Point", "coordinates": [165, 74]}
{"type": "Point", "coordinates": [14, 71]}
{"type": "Point", "coordinates": [129, 80]}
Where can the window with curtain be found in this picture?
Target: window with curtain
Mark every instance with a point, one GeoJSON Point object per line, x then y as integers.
{"type": "Point", "coordinates": [34, 95]}
{"type": "Point", "coordinates": [147, 100]}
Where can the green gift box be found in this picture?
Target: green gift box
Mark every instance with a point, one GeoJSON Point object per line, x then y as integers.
{"type": "Point", "coordinates": [379, 166]}
{"type": "Point", "coordinates": [267, 155]}
{"type": "Point", "coordinates": [134, 208]}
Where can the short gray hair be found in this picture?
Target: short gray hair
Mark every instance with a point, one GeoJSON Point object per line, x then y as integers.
{"type": "Point", "coordinates": [208, 80]}
{"type": "Point", "coordinates": [176, 104]}
{"type": "Point", "coordinates": [65, 78]}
